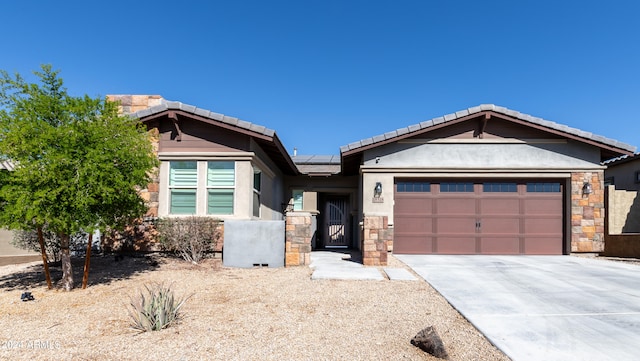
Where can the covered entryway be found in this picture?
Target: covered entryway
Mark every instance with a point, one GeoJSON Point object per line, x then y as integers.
{"type": "Point", "coordinates": [478, 217]}
{"type": "Point", "coordinates": [336, 220]}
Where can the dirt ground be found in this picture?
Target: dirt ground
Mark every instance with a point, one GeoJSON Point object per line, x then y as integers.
{"type": "Point", "coordinates": [232, 314]}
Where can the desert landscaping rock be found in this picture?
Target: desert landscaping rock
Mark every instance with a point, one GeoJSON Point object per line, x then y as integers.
{"type": "Point", "coordinates": [428, 341]}
{"type": "Point", "coordinates": [234, 314]}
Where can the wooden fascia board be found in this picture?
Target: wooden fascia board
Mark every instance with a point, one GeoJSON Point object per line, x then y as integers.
{"type": "Point", "coordinates": [560, 133]}
{"type": "Point", "coordinates": [285, 155]}
{"type": "Point", "coordinates": [409, 135]}
{"type": "Point", "coordinates": [207, 121]}
{"type": "Point", "coordinates": [486, 116]}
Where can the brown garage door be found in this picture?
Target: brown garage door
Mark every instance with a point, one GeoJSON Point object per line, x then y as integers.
{"type": "Point", "coordinates": [492, 217]}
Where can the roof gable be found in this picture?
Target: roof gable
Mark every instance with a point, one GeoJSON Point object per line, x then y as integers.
{"type": "Point", "coordinates": [263, 136]}
{"type": "Point", "coordinates": [483, 115]}
{"type": "Point", "coordinates": [487, 110]}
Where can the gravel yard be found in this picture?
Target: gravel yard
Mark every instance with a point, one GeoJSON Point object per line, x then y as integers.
{"type": "Point", "coordinates": [233, 314]}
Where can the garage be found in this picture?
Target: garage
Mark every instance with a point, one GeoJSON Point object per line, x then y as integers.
{"type": "Point", "coordinates": [503, 216]}
{"type": "Point", "coordinates": [485, 180]}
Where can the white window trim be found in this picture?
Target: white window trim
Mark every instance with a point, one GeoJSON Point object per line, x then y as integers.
{"type": "Point", "coordinates": [201, 188]}
{"type": "Point", "coordinates": [172, 187]}
{"type": "Point", "coordinates": [293, 200]}
{"type": "Point", "coordinates": [206, 185]}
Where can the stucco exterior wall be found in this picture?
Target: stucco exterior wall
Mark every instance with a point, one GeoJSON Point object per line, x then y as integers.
{"type": "Point", "coordinates": [483, 154]}
{"type": "Point", "coordinates": [624, 211]}
{"type": "Point", "coordinates": [254, 243]}
{"type": "Point", "coordinates": [624, 175]}
{"type": "Point", "coordinates": [272, 193]}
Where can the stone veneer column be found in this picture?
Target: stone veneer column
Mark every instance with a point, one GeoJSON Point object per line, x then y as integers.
{"type": "Point", "coordinates": [151, 194]}
{"type": "Point", "coordinates": [130, 104]}
{"type": "Point", "coordinates": [133, 103]}
{"type": "Point", "coordinates": [375, 239]}
{"type": "Point", "coordinates": [587, 212]}
{"type": "Point", "coordinates": [298, 234]}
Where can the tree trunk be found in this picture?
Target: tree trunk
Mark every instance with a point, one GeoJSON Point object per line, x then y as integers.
{"type": "Point", "coordinates": [45, 262]}
{"type": "Point", "coordinates": [65, 258]}
{"type": "Point", "coordinates": [87, 261]}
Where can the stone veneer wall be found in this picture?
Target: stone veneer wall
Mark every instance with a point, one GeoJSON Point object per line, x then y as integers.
{"type": "Point", "coordinates": [298, 234]}
{"type": "Point", "coordinates": [587, 212]}
{"type": "Point", "coordinates": [375, 240]}
{"type": "Point", "coordinates": [130, 104]}
{"type": "Point", "coordinates": [151, 194]}
{"type": "Point", "coordinates": [147, 239]}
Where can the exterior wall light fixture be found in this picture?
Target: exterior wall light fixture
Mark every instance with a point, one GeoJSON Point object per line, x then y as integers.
{"type": "Point", "coordinates": [377, 191]}
{"type": "Point", "coordinates": [586, 188]}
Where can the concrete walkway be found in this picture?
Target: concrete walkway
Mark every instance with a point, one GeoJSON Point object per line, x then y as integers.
{"type": "Point", "coordinates": [543, 307]}
{"type": "Point", "coordinates": [346, 265]}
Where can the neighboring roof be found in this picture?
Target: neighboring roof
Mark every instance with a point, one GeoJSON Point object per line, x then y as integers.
{"type": "Point", "coordinates": [5, 164]}
{"type": "Point", "coordinates": [416, 128]}
{"type": "Point", "coordinates": [318, 165]}
{"type": "Point", "coordinates": [620, 160]}
{"type": "Point", "coordinates": [316, 159]}
{"type": "Point", "coordinates": [266, 137]}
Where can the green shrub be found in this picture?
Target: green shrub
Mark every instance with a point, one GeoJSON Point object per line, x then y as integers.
{"type": "Point", "coordinates": [155, 309]}
{"type": "Point", "coordinates": [190, 237]}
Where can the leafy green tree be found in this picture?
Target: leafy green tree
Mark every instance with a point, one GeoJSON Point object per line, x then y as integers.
{"type": "Point", "coordinates": [78, 163]}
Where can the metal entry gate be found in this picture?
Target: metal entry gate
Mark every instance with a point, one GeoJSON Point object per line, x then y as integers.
{"type": "Point", "coordinates": [336, 222]}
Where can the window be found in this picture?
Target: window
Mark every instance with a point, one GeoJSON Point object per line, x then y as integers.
{"type": "Point", "coordinates": [188, 192]}
{"type": "Point", "coordinates": [183, 183]}
{"type": "Point", "coordinates": [413, 187]}
{"type": "Point", "coordinates": [543, 187]}
{"type": "Point", "coordinates": [257, 184]}
{"type": "Point", "coordinates": [637, 177]}
{"type": "Point", "coordinates": [297, 200]}
{"type": "Point", "coordinates": [220, 186]}
{"type": "Point", "coordinates": [500, 187]}
{"type": "Point", "coordinates": [456, 187]}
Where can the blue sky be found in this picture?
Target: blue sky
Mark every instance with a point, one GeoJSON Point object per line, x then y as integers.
{"type": "Point", "coordinates": [327, 73]}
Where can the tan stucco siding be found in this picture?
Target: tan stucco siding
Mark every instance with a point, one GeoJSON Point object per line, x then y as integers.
{"type": "Point", "coordinates": [482, 154]}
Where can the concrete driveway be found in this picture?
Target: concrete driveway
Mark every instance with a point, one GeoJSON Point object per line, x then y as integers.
{"type": "Point", "coordinates": [543, 307]}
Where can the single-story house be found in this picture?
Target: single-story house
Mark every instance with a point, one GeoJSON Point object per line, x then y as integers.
{"type": "Point", "coordinates": [483, 180]}
{"type": "Point", "coordinates": [622, 231]}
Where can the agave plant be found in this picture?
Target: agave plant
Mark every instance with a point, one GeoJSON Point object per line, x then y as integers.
{"type": "Point", "coordinates": [155, 309]}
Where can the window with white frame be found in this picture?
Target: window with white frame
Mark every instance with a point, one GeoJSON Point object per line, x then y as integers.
{"type": "Point", "coordinates": [221, 179]}
{"type": "Point", "coordinates": [186, 192]}
{"type": "Point", "coordinates": [183, 187]}
{"type": "Point", "coordinates": [257, 186]}
{"type": "Point", "coordinates": [297, 199]}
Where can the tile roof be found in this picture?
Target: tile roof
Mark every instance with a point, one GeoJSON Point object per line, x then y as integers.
{"type": "Point", "coordinates": [481, 108]}
{"type": "Point", "coordinates": [622, 159]}
{"type": "Point", "coordinates": [173, 105]}
{"type": "Point", "coordinates": [316, 159]}
{"type": "Point", "coordinates": [317, 164]}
